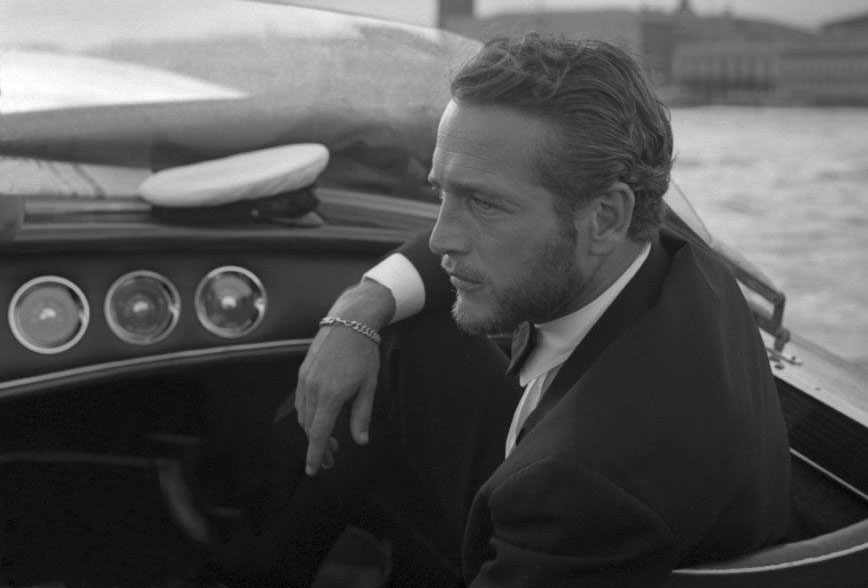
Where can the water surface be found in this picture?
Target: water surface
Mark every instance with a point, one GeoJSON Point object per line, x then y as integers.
{"type": "Point", "coordinates": [788, 187]}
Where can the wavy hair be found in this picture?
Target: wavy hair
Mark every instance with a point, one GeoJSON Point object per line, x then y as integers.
{"type": "Point", "coordinates": [609, 125]}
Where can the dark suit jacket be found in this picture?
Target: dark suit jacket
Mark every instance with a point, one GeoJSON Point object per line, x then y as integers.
{"type": "Point", "coordinates": [660, 443]}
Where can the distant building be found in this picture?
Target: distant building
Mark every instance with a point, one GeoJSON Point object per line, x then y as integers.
{"type": "Point", "coordinates": [737, 70]}
{"type": "Point", "coordinates": [656, 37]}
{"type": "Point", "coordinates": [854, 26]}
{"type": "Point", "coordinates": [831, 71]}
{"type": "Point", "coordinates": [621, 27]}
{"type": "Point", "coordinates": [451, 10]}
{"type": "Point", "coordinates": [721, 58]}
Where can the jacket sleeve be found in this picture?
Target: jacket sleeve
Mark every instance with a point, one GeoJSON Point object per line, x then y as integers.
{"type": "Point", "coordinates": [556, 523]}
{"type": "Point", "coordinates": [438, 290]}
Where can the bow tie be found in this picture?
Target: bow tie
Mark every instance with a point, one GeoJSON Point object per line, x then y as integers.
{"type": "Point", "coordinates": [523, 341]}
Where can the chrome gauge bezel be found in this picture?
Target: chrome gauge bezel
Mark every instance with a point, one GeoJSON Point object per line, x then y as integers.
{"type": "Point", "coordinates": [79, 298]}
{"type": "Point", "coordinates": [174, 308]}
{"type": "Point", "coordinates": [200, 310]}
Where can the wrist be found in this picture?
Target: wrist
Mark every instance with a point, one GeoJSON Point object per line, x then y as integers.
{"type": "Point", "coordinates": [368, 302]}
{"type": "Point", "coordinates": [353, 325]}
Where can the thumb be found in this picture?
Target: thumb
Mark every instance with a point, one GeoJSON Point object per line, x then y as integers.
{"type": "Point", "coordinates": [360, 417]}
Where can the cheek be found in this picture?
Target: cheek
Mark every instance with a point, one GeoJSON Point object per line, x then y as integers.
{"type": "Point", "coordinates": [511, 251]}
{"type": "Point", "coordinates": [509, 265]}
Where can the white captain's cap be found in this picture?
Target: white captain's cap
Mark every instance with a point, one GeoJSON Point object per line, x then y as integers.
{"type": "Point", "coordinates": [238, 178]}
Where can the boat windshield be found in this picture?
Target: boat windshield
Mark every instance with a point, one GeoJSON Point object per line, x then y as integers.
{"type": "Point", "coordinates": [121, 88]}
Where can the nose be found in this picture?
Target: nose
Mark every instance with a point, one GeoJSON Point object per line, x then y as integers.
{"type": "Point", "coordinates": [449, 236]}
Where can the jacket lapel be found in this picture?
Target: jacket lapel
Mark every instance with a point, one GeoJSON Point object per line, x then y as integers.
{"type": "Point", "coordinates": [640, 295]}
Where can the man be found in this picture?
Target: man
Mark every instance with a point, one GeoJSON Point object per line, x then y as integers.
{"type": "Point", "coordinates": [648, 434]}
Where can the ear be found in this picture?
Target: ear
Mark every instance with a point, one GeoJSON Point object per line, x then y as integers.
{"type": "Point", "coordinates": [612, 212]}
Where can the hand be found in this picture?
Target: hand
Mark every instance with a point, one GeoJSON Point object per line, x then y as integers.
{"type": "Point", "coordinates": [341, 364]}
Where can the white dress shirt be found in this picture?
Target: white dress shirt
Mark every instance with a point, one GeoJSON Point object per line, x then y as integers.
{"type": "Point", "coordinates": [400, 276]}
{"type": "Point", "coordinates": [555, 340]}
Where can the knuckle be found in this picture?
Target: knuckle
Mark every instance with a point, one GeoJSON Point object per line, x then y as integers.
{"type": "Point", "coordinates": [318, 432]}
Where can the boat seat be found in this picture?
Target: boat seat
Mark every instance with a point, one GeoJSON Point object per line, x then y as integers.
{"type": "Point", "coordinates": [838, 559]}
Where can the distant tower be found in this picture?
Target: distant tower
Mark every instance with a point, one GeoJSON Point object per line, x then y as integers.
{"type": "Point", "coordinates": [451, 9]}
{"type": "Point", "coordinates": [684, 7]}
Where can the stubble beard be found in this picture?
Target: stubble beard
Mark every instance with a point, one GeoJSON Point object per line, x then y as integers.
{"type": "Point", "coordinates": [539, 295]}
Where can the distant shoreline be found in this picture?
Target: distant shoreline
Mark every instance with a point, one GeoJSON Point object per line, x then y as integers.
{"type": "Point", "coordinates": [680, 97]}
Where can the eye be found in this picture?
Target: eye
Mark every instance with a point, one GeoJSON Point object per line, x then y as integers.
{"type": "Point", "coordinates": [481, 204]}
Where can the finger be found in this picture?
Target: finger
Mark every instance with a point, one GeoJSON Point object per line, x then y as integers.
{"type": "Point", "coordinates": [299, 402]}
{"type": "Point", "coordinates": [360, 416]}
{"type": "Point", "coordinates": [330, 456]}
{"type": "Point", "coordinates": [328, 460]}
{"type": "Point", "coordinates": [318, 437]}
{"type": "Point", "coordinates": [301, 393]}
{"type": "Point", "coordinates": [311, 396]}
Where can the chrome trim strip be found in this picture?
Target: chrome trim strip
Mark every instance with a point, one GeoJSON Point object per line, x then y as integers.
{"type": "Point", "coordinates": [49, 456]}
{"type": "Point", "coordinates": [804, 561]}
{"type": "Point", "coordinates": [7, 389]}
{"type": "Point", "coordinates": [760, 569]}
{"type": "Point", "coordinates": [829, 474]}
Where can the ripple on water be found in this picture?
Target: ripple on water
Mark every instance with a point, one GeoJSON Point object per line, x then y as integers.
{"type": "Point", "coordinates": [789, 189]}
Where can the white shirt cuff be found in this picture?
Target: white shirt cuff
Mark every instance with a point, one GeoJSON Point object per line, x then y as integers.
{"type": "Point", "coordinates": [398, 275]}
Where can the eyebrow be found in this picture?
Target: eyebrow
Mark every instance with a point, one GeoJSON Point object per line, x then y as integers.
{"type": "Point", "coordinates": [462, 187]}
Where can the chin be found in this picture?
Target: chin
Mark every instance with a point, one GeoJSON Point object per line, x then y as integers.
{"type": "Point", "coordinates": [478, 319]}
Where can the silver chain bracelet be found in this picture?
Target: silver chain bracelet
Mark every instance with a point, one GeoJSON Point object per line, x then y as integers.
{"type": "Point", "coordinates": [354, 325]}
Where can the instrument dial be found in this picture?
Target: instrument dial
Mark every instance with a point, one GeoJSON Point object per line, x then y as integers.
{"type": "Point", "coordinates": [49, 314]}
{"type": "Point", "coordinates": [230, 301]}
{"type": "Point", "coordinates": [142, 307]}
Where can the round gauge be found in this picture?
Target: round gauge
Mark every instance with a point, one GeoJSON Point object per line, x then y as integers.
{"type": "Point", "coordinates": [142, 307]}
{"type": "Point", "coordinates": [49, 314]}
{"type": "Point", "coordinates": [230, 301]}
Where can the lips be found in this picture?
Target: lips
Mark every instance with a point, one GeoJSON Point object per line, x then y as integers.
{"type": "Point", "coordinates": [462, 281]}
{"type": "Point", "coordinates": [463, 284]}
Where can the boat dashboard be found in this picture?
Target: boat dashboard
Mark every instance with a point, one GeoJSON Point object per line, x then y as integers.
{"type": "Point", "coordinates": [85, 300]}
{"type": "Point", "coordinates": [124, 336]}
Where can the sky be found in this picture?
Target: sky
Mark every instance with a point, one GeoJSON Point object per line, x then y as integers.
{"type": "Point", "coordinates": [804, 13]}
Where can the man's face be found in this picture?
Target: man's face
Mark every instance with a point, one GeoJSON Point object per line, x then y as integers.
{"type": "Point", "coordinates": [509, 255]}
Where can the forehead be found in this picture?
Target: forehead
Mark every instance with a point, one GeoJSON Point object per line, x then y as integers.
{"type": "Point", "coordinates": [489, 144]}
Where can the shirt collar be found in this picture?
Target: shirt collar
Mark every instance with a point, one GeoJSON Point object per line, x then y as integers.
{"type": "Point", "coordinates": [556, 339]}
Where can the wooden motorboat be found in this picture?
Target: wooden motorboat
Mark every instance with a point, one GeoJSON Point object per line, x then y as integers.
{"type": "Point", "coordinates": [100, 418]}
